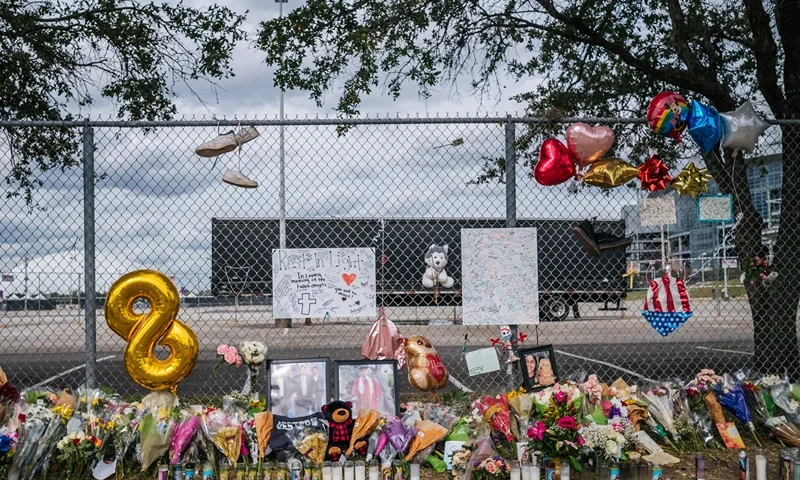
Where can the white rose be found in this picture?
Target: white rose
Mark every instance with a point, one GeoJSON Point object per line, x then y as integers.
{"type": "Point", "coordinates": [612, 448]}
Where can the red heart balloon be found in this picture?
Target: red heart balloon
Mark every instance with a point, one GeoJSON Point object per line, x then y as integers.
{"type": "Point", "coordinates": [555, 163]}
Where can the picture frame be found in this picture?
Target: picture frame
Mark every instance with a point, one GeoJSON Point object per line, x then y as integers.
{"type": "Point", "coordinates": [531, 371]}
{"type": "Point", "coordinates": [378, 390]}
{"type": "Point", "coordinates": [288, 394]}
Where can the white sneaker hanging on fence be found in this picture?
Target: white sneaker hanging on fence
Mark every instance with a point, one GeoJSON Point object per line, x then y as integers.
{"type": "Point", "coordinates": [238, 179]}
{"type": "Point", "coordinates": [227, 142]}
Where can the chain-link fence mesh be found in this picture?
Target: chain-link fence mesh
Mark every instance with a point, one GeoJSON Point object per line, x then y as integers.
{"type": "Point", "coordinates": [396, 186]}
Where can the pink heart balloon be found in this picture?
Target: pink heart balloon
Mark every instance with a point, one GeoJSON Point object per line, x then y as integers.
{"type": "Point", "coordinates": [588, 144]}
{"type": "Point", "coordinates": [555, 163]}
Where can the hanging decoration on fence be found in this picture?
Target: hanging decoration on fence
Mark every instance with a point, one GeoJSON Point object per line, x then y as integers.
{"type": "Point", "coordinates": [555, 164]}
{"type": "Point", "coordinates": [705, 125]}
{"type": "Point", "coordinates": [144, 332]}
{"type": "Point", "coordinates": [691, 181]}
{"type": "Point", "coordinates": [742, 127]}
{"type": "Point", "coordinates": [384, 341]}
{"type": "Point", "coordinates": [588, 144]}
{"type": "Point", "coordinates": [426, 371]}
{"type": "Point", "coordinates": [610, 172]}
{"type": "Point", "coordinates": [435, 274]}
{"type": "Point", "coordinates": [667, 114]}
{"type": "Point", "coordinates": [506, 343]}
{"type": "Point", "coordinates": [654, 174]}
{"type": "Point", "coordinates": [666, 307]}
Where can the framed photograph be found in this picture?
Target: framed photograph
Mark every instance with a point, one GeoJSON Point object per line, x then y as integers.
{"type": "Point", "coordinates": [370, 384]}
{"type": "Point", "coordinates": [297, 387]}
{"type": "Point", "coordinates": [538, 365]}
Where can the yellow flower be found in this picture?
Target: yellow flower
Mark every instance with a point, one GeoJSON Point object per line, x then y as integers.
{"type": "Point", "coordinates": [95, 402]}
{"type": "Point", "coordinates": [110, 425]}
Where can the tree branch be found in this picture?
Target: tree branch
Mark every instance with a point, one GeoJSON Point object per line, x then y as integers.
{"type": "Point", "coordinates": [680, 39]}
{"type": "Point", "coordinates": [766, 52]}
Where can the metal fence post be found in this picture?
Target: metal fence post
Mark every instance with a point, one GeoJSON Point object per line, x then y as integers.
{"type": "Point", "coordinates": [511, 222]}
{"type": "Point", "coordinates": [88, 255]}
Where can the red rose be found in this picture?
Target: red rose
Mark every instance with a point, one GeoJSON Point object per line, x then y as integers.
{"type": "Point", "coordinates": [76, 441]}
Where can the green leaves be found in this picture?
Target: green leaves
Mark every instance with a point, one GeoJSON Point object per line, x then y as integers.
{"type": "Point", "coordinates": [55, 52]}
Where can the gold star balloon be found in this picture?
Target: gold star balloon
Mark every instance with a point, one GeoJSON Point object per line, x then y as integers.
{"type": "Point", "coordinates": [692, 180]}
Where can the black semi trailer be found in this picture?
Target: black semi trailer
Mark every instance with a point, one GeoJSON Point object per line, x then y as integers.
{"type": "Point", "coordinates": [242, 257]}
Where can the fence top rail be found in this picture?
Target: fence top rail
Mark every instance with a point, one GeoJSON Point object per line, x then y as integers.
{"type": "Point", "coordinates": [368, 120]}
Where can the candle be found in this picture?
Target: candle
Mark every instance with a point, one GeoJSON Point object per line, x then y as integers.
{"type": "Point", "coordinates": [361, 470]}
{"type": "Point", "coordinates": [336, 471]}
{"type": "Point", "coordinates": [349, 471]}
{"type": "Point", "coordinates": [761, 465]}
{"type": "Point", "coordinates": [327, 472]}
{"type": "Point", "coordinates": [414, 471]}
{"type": "Point", "coordinates": [515, 473]}
{"type": "Point", "coordinates": [564, 470]}
{"type": "Point", "coordinates": [536, 472]}
{"type": "Point", "coordinates": [374, 470]}
{"type": "Point", "coordinates": [526, 470]}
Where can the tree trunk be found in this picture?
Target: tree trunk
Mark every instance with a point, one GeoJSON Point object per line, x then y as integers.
{"type": "Point", "coordinates": [775, 308]}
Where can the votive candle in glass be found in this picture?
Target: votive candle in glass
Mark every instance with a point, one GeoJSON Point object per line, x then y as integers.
{"type": "Point", "coordinates": [413, 470]}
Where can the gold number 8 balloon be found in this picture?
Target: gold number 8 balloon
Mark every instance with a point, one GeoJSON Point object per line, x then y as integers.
{"type": "Point", "coordinates": [145, 331]}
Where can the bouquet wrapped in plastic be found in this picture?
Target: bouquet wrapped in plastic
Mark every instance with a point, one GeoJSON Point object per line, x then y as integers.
{"type": "Point", "coordinates": [310, 440]}
{"type": "Point", "coordinates": [496, 413]}
{"type": "Point", "coordinates": [225, 430]}
{"type": "Point", "coordinates": [34, 420]}
{"type": "Point", "coordinates": [365, 424]}
{"type": "Point", "coordinates": [521, 406]}
{"type": "Point", "coordinates": [56, 429]}
{"type": "Point", "coordinates": [399, 435]}
{"type": "Point", "coordinates": [444, 415]}
{"type": "Point", "coordinates": [781, 393]}
{"type": "Point", "coordinates": [731, 396]}
{"type": "Point", "coordinates": [428, 433]}
{"type": "Point", "coordinates": [660, 406]}
{"type": "Point", "coordinates": [183, 434]}
{"type": "Point", "coordinates": [155, 431]}
{"type": "Point", "coordinates": [8, 397]}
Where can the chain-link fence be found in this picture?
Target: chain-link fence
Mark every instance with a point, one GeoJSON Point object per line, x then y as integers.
{"type": "Point", "coordinates": [395, 185]}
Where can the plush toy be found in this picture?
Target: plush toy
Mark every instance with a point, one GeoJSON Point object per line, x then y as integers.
{"type": "Point", "coordinates": [425, 369]}
{"type": "Point", "coordinates": [340, 419]}
{"type": "Point", "coordinates": [507, 343]}
{"type": "Point", "coordinates": [436, 260]}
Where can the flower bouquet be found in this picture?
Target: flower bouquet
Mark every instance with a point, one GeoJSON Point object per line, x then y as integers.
{"type": "Point", "coordinates": [781, 394]}
{"type": "Point", "coordinates": [78, 450]}
{"type": "Point", "coordinates": [33, 424]}
{"type": "Point", "coordinates": [56, 429]}
{"type": "Point", "coordinates": [556, 434]}
{"type": "Point", "coordinates": [496, 413]}
{"type": "Point", "coordinates": [605, 441]}
{"type": "Point", "coordinates": [155, 431]}
{"type": "Point", "coordinates": [492, 468]}
{"type": "Point", "coordinates": [254, 354]}
{"type": "Point", "coordinates": [227, 354]}
{"type": "Point", "coordinates": [730, 395]}
{"type": "Point", "coordinates": [225, 431]}
{"type": "Point", "coordinates": [8, 396]}
{"type": "Point", "coordinates": [183, 434]}
{"type": "Point", "coordinates": [126, 430]}
{"type": "Point", "coordinates": [521, 406]}
{"type": "Point", "coordinates": [460, 462]}
{"type": "Point", "coordinates": [8, 445]}
{"type": "Point", "coordinates": [661, 409]}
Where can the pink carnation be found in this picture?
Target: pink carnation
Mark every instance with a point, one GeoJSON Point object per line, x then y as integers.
{"type": "Point", "coordinates": [223, 349]}
{"type": "Point", "coordinates": [233, 358]}
{"type": "Point", "coordinates": [536, 432]}
{"type": "Point", "coordinates": [561, 397]}
{"type": "Point", "coordinates": [490, 467]}
{"type": "Point", "coordinates": [567, 422]}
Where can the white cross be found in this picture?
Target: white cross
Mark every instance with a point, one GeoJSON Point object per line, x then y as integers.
{"type": "Point", "coordinates": [305, 302]}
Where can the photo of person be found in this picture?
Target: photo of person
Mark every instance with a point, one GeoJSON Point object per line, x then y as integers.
{"type": "Point", "coordinates": [368, 384]}
{"type": "Point", "coordinates": [539, 368]}
{"type": "Point", "coordinates": [297, 387]}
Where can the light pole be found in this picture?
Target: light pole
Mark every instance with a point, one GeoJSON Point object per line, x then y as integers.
{"type": "Point", "coordinates": [279, 322]}
{"type": "Point", "coordinates": [26, 282]}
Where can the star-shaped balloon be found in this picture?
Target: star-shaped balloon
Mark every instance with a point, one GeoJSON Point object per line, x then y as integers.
{"type": "Point", "coordinates": [654, 174]}
{"type": "Point", "coordinates": [743, 126]}
{"type": "Point", "coordinates": [692, 180]}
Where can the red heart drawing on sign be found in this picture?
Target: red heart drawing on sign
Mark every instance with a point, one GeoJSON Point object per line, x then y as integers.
{"type": "Point", "coordinates": [349, 278]}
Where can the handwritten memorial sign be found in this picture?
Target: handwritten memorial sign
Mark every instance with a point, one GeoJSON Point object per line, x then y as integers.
{"type": "Point", "coordinates": [500, 276]}
{"type": "Point", "coordinates": [715, 208]}
{"type": "Point", "coordinates": [320, 282]}
{"type": "Point", "coordinates": [482, 361]}
{"type": "Point", "coordinates": [654, 212]}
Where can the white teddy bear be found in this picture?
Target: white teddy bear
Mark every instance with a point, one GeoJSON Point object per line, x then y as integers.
{"type": "Point", "coordinates": [436, 259]}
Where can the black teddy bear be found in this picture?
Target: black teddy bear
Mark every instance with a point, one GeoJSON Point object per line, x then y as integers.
{"type": "Point", "coordinates": [340, 418]}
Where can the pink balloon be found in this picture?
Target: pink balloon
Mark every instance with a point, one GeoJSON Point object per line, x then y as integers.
{"type": "Point", "coordinates": [588, 144]}
{"type": "Point", "coordinates": [555, 163]}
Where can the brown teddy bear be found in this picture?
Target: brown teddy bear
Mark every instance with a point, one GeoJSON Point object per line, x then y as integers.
{"type": "Point", "coordinates": [426, 371]}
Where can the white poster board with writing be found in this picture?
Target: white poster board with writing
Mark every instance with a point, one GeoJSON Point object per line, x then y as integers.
{"type": "Point", "coordinates": [715, 208]}
{"type": "Point", "coordinates": [500, 275]}
{"type": "Point", "coordinates": [482, 361]}
{"type": "Point", "coordinates": [654, 212]}
{"type": "Point", "coordinates": [310, 282]}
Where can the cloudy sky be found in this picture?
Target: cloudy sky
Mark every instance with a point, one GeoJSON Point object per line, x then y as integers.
{"type": "Point", "coordinates": [155, 204]}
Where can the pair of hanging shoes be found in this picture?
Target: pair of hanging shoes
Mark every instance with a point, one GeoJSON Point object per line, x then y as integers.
{"type": "Point", "coordinates": [225, 143]}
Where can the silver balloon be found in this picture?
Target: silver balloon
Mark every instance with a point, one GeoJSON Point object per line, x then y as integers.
{"type": "Point", "coordinates": [743, 126]}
